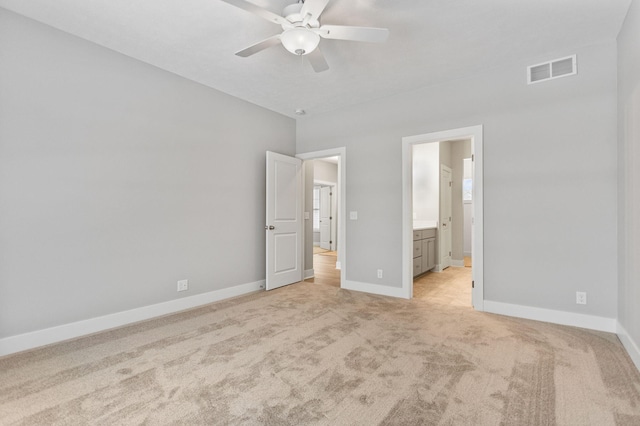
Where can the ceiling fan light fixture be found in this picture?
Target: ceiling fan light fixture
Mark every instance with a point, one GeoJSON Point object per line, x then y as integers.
{"type": "Point", "coordinates": [300, 41]}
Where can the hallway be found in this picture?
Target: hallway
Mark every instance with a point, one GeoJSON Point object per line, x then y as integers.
{"type": "Point", "coordinates": [324, 269]}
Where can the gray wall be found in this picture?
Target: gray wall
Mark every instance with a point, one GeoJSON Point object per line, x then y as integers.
{"type": "Point", "coordinates": [445, 155]}
{"type": "Point", "coordinates": [325, 171]}
{"type": "Point", "coordinates": [629, 160]}
{"type": "Point", "coordinates": [549, 178]}
{"type": "Point", "coordinates": [117, 179]}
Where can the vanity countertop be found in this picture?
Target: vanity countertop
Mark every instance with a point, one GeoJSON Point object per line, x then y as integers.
{"type": "Point", "coordinates": [419, 225]}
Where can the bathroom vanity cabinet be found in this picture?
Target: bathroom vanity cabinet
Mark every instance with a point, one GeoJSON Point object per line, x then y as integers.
{"type": "Point", "coordinates": [424, 250]}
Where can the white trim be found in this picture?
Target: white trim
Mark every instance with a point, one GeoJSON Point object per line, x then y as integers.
{"type": "Point", "coordinates": [457, 263]}
{"type": "Point", "coordinates": [632, 347]}
{"type": "Point", "coordinates": [477, 261]}
{"type": "Point", "coordinates": [22, 342]}
{"type": "Point", "coordinates": [591, 322]}
{"type": "Point", "coordinates": [342, 203]}
{"type": "Point", "coordinates": [308, 273]}
{"type": "Point", "coordinates": [378, 289]}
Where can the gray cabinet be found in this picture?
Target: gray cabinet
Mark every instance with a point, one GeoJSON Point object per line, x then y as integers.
{"type": "Point", "coordinates": [424, 250]}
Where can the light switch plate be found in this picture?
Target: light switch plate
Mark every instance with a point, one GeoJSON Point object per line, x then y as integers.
{"type": "Point", "coordinates": [353, 215]}
{"type": "Point", "coordinates": [306, 216]}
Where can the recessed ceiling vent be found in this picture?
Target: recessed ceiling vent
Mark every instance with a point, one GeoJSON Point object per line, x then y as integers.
{"type": "Point", "coordinates": [557, 68]}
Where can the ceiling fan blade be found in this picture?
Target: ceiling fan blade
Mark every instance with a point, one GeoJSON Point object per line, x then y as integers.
{"type": "Point", "coordinates": [263, 13]}
{"type": "Point", "coordinates": [317, 60]}
{"type": "Point", "coordinates": [313, 8]}
{"type": "Point", "coordinates": [340, 32]}
{"type": "Point", "coordinates": [255, 48]}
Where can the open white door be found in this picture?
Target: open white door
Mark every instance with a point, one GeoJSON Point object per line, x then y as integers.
{"type": "Point", "coordinates": [284, 220]}
{"type": "Point", "coordinates": [445, 217]}
{"type": "Point", "coordinates": [325, 217]}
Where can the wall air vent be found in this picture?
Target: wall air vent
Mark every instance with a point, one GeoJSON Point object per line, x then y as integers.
{"type": "Point", "coordinates": [557, 68]}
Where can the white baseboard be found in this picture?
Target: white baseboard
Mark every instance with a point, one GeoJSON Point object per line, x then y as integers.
{"type": "Point", "coordinates": [382, 290]}
{"type": "Point", "coordinates": [457, 263]}
{"type": "Point", "coordinates": [591, 322]}
{"type": "Point", "coordinates": [22, 342]}
{"type": "Point", "coordinates": [309, 273]}
{"type": "Point", "coordinates": [632, 347]}
{"type": "Point", "coordinates": [466, 254]}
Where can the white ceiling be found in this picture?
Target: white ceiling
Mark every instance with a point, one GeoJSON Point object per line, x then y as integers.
{"type": "Point", "coordinates": [430, 41]}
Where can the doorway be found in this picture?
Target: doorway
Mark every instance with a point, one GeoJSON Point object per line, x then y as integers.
{"type": "Point", "coordinates": [440, 275]}
{"type": "Point", "coordinates": [324, 210]}
{"type": "Point", "coordinates": [409, 247]}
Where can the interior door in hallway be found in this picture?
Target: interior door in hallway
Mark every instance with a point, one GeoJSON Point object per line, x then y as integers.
{"type": "Point", "coordinates": [445, 217]}
{"type": "Point", "coordinates": [325, 217]}
{"type": "Point", "coordinates": [283, 220]}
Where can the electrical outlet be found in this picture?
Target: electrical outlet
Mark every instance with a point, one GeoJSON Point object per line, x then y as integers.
{"type": "Point", "coordinates": [183, 285]}
{"type": "Point", "coordinates": [581, 297]}
{"type": "Point", "coordinates": [379, 273]}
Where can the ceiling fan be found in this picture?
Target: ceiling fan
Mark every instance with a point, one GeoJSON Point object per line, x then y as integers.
{"type": "Point", "coordinates": [301, 30]}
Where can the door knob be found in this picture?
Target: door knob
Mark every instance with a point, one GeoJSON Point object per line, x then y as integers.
{"type": "Point", "coordinates": [270, 228]}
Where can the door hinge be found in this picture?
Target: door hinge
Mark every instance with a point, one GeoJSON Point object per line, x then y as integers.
{"type": "Point", "coordinates": [330, 217]}
{"type": "Point", "coordinates": [449, 253]}
{"type": "Point", "coordinates": [331, 193]}
{"type": "Point", "coordinates": [449, 183]}
{"type": "Point", "coordinates": [330, 242]}
{"type": "Point", "coordinates": [473, 157]}
{"type": "Point", "coordinates": [473, 284]}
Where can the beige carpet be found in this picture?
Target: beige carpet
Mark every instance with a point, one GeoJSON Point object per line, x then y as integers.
{"type": "Point", "coordinates": [314, 354]}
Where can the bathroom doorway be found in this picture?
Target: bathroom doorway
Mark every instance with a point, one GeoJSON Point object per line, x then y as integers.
{"type": "Point", "coordinates": [423, 223]}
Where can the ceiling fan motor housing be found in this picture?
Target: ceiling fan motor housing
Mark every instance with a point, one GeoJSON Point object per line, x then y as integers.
{"type": "Point", "coordinates": [292, 14]}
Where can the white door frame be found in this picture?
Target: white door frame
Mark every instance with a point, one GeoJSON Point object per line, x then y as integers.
{"type": "Point", "coordinates": [474, 133]}
{"type": "Point", "coordinates": [341, 153]}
